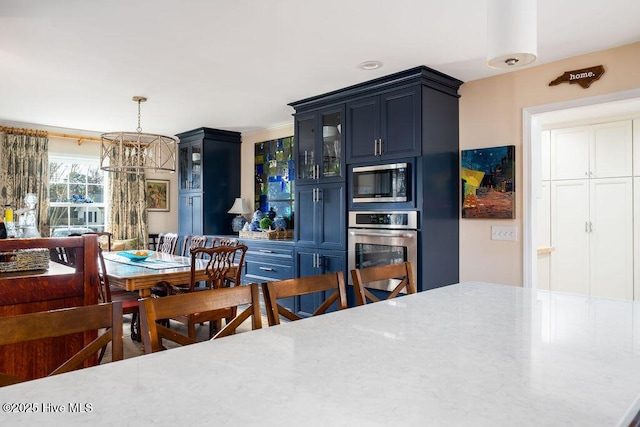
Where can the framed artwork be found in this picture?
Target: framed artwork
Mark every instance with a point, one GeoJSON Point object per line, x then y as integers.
{"type": "Point", "coordinates": [488, 182]}
{"type": "Point", "coordinates": [157, 194]}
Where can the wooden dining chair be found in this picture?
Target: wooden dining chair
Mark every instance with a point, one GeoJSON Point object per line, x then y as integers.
{"type": "Point", "coordinates": [167, 243]}
{"type": "Point", "coordinates": [192, 242]}
{"type": "Point", "coordinates": [57, 323]}
{"type": "Point", "coordinates": [190, 304]}
{"type": "Point", "coordinates": [395, 278]}
{"type": "Point", "coordinates": [128, 300]}
{"type": "Point", "coordinates": [221, 262]}
{"type": "Point", "coordinates": [273, 291]}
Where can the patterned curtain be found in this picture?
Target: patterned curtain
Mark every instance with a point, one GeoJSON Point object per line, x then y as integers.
{"type": "Point", "coordinates": [128, 211]}
{"type": "Point", "coordinates": [24, 168]}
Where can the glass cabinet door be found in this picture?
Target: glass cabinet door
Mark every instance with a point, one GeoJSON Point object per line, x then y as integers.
{"type": "Point", "coordinates": [196, 166]}
{"type": "Point", "coordinates": [306, 148]}
{"type": "Point", "coordinates": [183, 166]}
{"type": "Point", "coordinates": [331, 144]}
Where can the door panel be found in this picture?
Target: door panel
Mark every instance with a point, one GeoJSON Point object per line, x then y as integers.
{"type": "Point", "coordinates": [570, 153]}
{"type": "Point", "coordinates": [570, 237]}
{"type": "Point", "coordinates": [611, 238]}
{"type": "Point", "coordinates": [611, 150]}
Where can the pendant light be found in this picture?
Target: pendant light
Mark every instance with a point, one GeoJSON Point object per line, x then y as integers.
{"type": "Point", "coordinates": [136, 152]}
{"type": "Point", "coordinates": [511, 33]}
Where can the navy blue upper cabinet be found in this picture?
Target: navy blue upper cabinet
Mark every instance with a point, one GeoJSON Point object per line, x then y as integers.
{"type": "Point", "coordinates": [385, 126]}
{"type": "Point", "coordinates": [209, 180]}
{"type": "Point", "coordinates": [320, 146]}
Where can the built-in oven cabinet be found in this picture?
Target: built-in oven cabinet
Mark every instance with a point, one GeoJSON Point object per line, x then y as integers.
{"type": "Point", "coordinates": [384, 126]}
{"type": "Point", "coordinates": [320, 146]}
{"type": "Point", "coordinates": [320, 219]}
{"type": "Point", "coordinates": [311, 262]}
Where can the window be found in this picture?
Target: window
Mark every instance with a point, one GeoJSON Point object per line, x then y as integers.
{"type": "Point", "coordinates": [77, 195]}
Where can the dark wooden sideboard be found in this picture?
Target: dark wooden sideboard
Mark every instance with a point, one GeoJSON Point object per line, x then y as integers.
{"type": "Point", "coordinates": [40, 290]}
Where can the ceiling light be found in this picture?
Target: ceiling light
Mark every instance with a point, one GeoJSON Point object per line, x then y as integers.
{"type": "Point", "coordinates": [370, 65]}
{"type": "Point", "coordinates": [511, 33]}
{"type": "Point", "coordinates": [135, 152]}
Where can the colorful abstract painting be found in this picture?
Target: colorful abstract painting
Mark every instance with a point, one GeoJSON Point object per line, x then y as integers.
{"type": "Point", "coordinates": [488, 182]}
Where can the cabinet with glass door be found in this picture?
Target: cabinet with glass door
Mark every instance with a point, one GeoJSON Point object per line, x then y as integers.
{"type": "Point", "coordinates": [320, 146]}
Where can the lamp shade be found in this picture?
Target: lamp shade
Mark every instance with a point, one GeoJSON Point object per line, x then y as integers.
{"type": "Point", "coordinates": [239, 207]}
{"type": "Point", "coordinates": [511, 33]}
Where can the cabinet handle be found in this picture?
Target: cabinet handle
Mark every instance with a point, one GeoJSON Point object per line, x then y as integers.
{"type": "Point", "coordinates": [590, 227]}
{"type": "Point", "coordinates": [375, 147]}
{"type": "Point", "coordinates": [586, 226]}
{"type": "Point", "coordinates": [317, 172]}
{"type": "Point", "coordinates": [380, 147]}
{"type": "Point", "coordinates": [266, 251]}
{"type": "Point", "coordinates": [266, 268]}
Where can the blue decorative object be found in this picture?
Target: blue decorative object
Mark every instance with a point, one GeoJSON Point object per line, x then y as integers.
{"type": "Point", "coordinates": [133, 257]}
{"type": "Point", "coordinates": [258, 215]}
{"type": "Point", "coordinates": [280, 222]}
{"type": "Point", "coordinates": [237, 223]}
{"type": "Point", "coordinates": [254, 226]}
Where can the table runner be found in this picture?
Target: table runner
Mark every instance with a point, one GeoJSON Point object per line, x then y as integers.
{"type": "Point", "coordinates": [152, 263]}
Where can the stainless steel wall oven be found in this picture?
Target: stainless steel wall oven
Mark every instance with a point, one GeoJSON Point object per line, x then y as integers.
{"type": "Point", "coordinates": [381, 238]}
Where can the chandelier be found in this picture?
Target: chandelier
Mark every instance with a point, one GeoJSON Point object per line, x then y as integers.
{"type": "Point", "coordinates": [136, 152]}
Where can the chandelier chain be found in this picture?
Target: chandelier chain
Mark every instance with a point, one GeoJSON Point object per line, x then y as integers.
{"type": "Point", "coordinates": [139, 128]}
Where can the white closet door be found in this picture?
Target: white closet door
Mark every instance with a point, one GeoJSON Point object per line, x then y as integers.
{"type": "Point", "coordinates": [611, 150]}
{"type": "Point", "coordinates": [570, 236]}
{"type": "Point", "coordinates": [611, 242]}
{"type": "Point", "coordinates": [570, 153]}
{"type": "Point", "coordinates": [543, 227]}
{"type": "Point", "coordinates": [545, 155]}
{"type": "Point", "coordinates": [636, 240]}
{"type": "Point", "coordinates": [636, 147]}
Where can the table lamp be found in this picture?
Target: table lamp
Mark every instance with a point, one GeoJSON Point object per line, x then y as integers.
{"type": "Point", "coordinates": [239, 207]}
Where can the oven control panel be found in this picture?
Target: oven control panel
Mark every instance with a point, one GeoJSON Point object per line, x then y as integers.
{"type": "Point", "coordinates": [401, 220]}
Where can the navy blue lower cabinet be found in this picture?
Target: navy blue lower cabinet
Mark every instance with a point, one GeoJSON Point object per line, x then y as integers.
{"type": "Point", "coordinates": [311, 262]}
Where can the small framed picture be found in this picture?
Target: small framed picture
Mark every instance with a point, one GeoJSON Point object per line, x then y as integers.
{"type": "Point", "coordinates": [157, 195]}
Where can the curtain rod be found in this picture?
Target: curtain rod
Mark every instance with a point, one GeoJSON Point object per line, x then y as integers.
{"type": "Point", "coordinates": [34, 132]}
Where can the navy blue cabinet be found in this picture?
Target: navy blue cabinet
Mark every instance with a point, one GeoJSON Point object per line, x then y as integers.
{"type": "Point", "coordinates": [320, 219]}
{"type": "Point", "coordinates": [320, 146]}
{"type": "Point", "coordinates": [208, 180]}
{"type": "Point", "coordinates": [310, 262]}
{"type": "Point", "coordinates": [384, 126]}
{"type": "Point", "coordinates": [410, 116]}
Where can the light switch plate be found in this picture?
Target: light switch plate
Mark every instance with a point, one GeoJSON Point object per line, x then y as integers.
{"type": "Point", "coordinates": [504, 233]}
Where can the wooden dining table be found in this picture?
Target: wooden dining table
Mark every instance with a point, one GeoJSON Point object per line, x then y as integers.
{"type": "Point", "coordinates": [141, 276]}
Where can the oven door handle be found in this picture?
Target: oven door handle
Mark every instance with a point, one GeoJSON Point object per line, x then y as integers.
{"type": "Point", "coordinates": [390, 233]}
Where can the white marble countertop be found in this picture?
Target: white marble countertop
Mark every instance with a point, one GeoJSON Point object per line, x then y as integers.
{"type": "Point", "coordinates": [468, 354]}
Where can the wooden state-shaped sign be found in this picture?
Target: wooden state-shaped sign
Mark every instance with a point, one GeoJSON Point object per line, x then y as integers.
{"type": "Point", "coordinates": [583, 77]}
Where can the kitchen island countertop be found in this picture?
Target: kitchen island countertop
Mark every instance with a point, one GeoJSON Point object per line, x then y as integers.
{"type": "Point", "coordinates": [466, 354]}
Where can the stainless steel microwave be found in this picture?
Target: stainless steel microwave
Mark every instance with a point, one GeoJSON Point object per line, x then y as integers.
{"type": "Point", "coordinates": [381, 183]}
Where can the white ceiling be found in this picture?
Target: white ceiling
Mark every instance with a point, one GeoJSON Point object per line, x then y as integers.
{"type": "Point", "coordinates": [236, 64]}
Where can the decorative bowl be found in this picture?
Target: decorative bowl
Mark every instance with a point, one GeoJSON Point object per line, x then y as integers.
{"type": "Point", "coordinates": [136, 255]}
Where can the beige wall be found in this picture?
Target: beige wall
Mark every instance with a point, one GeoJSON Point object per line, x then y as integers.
{"type": "Point", "coordinates": [491, 115]}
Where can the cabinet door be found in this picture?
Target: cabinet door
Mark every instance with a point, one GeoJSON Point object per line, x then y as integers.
{"type": "Point", "coordinates": [331, 230]}
{"type": "Point", "coordinates": [305, 147]}
{"type": "Point", "coordinates": [185, 219]}
{"type": "Point", "coordinates": [400, 124]}
{"type": "Point", "coordinates": [611, 238]}
{"type": "Point", "coordinates": [190, 218]}
{"type": "Point", "coordinates": [330, 262]}
{"type": "Point", "coordinates": [305, 217]}
{"type": "Point", "coordinates": [331, 161]}
{"type": "Point", "coordinates": [306, 262]}
{"type": "Point", "coordinates": [570, 153]}
{"type": "Point", "coordinates": [195, 158]}
{"type": "Point", "coordinates": [363, 129]}
{"type": "Point", "coordinates": [184, 177]}
{"type": "Point", "coordinates": [611, 150]}
{"type": "Point", "coordinates": [570, 236]}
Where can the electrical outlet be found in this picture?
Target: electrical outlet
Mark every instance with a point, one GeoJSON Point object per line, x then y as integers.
{"type": "Point", "coordinates": [504, 233]}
